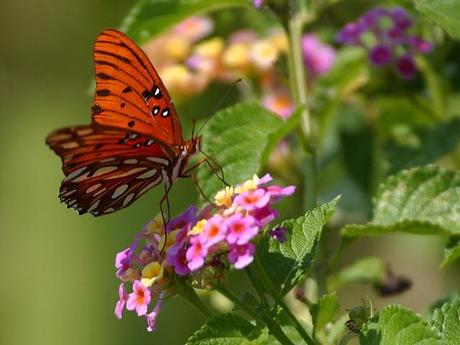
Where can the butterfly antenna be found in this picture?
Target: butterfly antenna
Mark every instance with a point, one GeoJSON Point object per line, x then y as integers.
{"type": "Point", "coordinates": [227, 93]}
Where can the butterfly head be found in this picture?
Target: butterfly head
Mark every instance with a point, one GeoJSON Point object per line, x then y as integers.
{"type": "Point", "coordinates": [193, 145]}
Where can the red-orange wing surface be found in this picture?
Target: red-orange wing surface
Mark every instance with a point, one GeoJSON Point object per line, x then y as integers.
{"type": "Point", "coordinates": [129, 93]}
{"type": "Point", "coordinates": [107, 169]}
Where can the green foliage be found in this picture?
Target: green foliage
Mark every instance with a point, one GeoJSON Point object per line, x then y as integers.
{"type": "Point", "coordinates": [325, 310]}
{"type": "Point", "coordinates": [150, 17]}
{"type": "Point", "coordinates": [395, 325]}
{"type": "Point", "coordinates": [287, 263]}
{"type": "Point", "coordinates": [445, 13]}
{"type": "Point", "coordinates": [420, 146]}
{"type": "Point", "coordinates": [452, 251]}
{"type": "Point", "coordinates": [446, 320]}
{"type": "Point", "coordinates": [365, 270]}
{"type": "Point", "coordinates": [421, 201]}
{"type": "Point", "coordinates": [236, 137]}
{"type": "Point", "coordinates": [225, 329]}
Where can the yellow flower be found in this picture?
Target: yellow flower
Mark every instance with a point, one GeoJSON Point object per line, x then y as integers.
{"type": "Point", "coordinates": [155, 226]}
{"type": "Point", "coordinates": [224, 197]}
{"type": "Point", "coordinates": [264, 54]}
{"type": "Point", "coordinates": [210, 48]}
{"type": "Point", "coordinates": [170, 240]}
{"type": "Point", "coordinates": [198, 228]}
{"type": "Point", "coordinates": [248, 185]}
{"type": "Point", "coordinates": [177, 47]}
{"type": "Point", "coordinates": [237, 56]}
{"type": "Point", "coordinates": [279, 40]}
{"type": "Point", "coordinates": [151, 273]}
{"type": "Point", "coordinates": [175, 76]}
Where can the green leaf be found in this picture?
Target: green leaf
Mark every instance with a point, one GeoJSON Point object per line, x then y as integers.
{"type": "Point", "coordinates": [422, 200]}
{"type": "Point", "coordinates": [365, 270]}
{"type": "Point", "coordinates": [452, 251]}
{"type": "Point", "coordinates": [395, 325]}
{"type": "Point", "coordinates": [225, 329]}
{"type": "Point", "coordinates": [440, 302]}
{"type": "Point", "coordinates": [150, 17]}
{"type": "Point", "coordinates": [445, 13]}
{"type": "Point", "coordinates": [287, 263]}
{"type": "Point", "coordinates": [446, 320]}
{"type": "Point", "coordinates": [324, 311]}
{"type": "Point", "coordinates": [420, 146]}
{"type": "Point", "coordinates": [236, 138]}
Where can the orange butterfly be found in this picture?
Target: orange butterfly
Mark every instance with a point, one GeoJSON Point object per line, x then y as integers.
{"type": "Point", "coordinates": [135, 139]}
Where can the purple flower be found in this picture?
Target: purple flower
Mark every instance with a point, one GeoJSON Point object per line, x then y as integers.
{"type": "Point", "coordinates": [241, 229]}
{"type": "Point", "coordinates": [406, 66]}
{"type": "Point", "coordinates": [257, 3]}
{"type": "Point", "coordinates": [318, 57]}
{"type": "Point", "coordinates": [122, 298]}
{"type": "Point", "coordinates": [371, 18]}
{"type": "Point", "coordinates": [184, 220]}
{"type": "Point", "coordinates": [277, 192]}
{"type": "Point", "coordinates": [241, 256]}
{"type": "Point", "coordinates": [400, 18]}
{"type": "Point", "coordinates": [152, 317]}
{"type": "Point", "coordinates": [380, 55]}
{"type": "Point", "coordinates": [264, 215]}
{"type": "Point", "coordinates": [179, 261]}
{"type": "Point", "coordinates": [420, 45]}
{"type": "Point", "coordinates": [350, 34]}
{"type": "Point", "coordinates": [279, 234]}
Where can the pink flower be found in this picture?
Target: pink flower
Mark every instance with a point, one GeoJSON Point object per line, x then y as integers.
{"type": "Point", "coordinates": [122, 262]}
{"type": "Point", "coordinates": [179, 261]}
{"type": "Point", "coordinates": [241, 229]}
{"type": "Point", "coordinates": [319, 57]}
{"type": "Point", "coordinates": [196, 253]}
{"type": "Point", "coordinates": [241, 256]}
{"type": "Point", "coordinates": [279, 101]}
{"type": "Point", "coordinates": [139, 299]}
{"type": "Point", "coordinates": [214, 231]}
{"type": "Point", "coordinates": [152, 317]}
{"type": "Point", "coordinates": [184, 220]}
{"type": "Point", "coordinates": [194, 28]}
{"type": "Point", "coordinates": [264, 215]}
{"type": "Point", "coordinates": [123, 297]}
{"type": "Point", "coordinates": [277, 192]}
{"type": "Point", "coordinates": [253, 199]}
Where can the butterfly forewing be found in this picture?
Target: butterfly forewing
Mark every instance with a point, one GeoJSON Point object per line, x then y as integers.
{"type": "Point", "coordinates": [129, 92]}
{"type": "Point", "coordinates": [107, 169]}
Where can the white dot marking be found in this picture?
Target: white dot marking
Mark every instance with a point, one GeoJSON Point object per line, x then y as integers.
{"type": "Point", "coordinates": [119, 191]}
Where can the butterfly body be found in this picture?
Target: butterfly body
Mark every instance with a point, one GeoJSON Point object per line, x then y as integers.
{"type": "Point", "coordinates": [135, 139]}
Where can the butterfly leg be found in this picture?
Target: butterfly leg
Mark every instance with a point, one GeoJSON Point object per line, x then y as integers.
{"type": "Point", "coordinates": [165, 199]}
{"type": "Point", "coordinates": [216, 165]}
{"type": "Point", "coordinates": [210, 163]}
{"type": "Point", "coordinates": [195, 181]}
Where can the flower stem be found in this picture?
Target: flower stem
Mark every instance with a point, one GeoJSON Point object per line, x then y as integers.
{"type": "Point", "coordinates": [274, 328]}
{"type": "Point", "coordinates": [188, 293]}
{"type": "Point", "coordinates": [259, 277]}
{"type": "Point", "coordinates": [297, 73]}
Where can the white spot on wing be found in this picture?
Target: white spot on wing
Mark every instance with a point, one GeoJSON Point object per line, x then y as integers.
{"type": "Point", "coordinates": [109, 210]}
{"type": "Point", "coordinates": [74, 174]}
{"type": "Point", "coordinates": [94, 205]}
{"type": "Point", "coordinates": [93, 188]}
{"type": "Point", "coordinates": [104, 170]}
{"type": "Point", "coordinates": [127, 173]}
{"type": "Point", "coordinates": [128, 199]}
{"type": "Point", "coordinates": [119, 191]}
{"type": "Point", "coordinates": [150, 185]}
{"type": "Point", "coordinates": [148, 174]}
{"type": "Point", "coordinates": [100, 192]}
{"type": "Point", "coordinates": [130, 161]}
{"type": "Point", "coordinates": [158, 160]}
{"type": "Point", "coordinates": [107, 160]}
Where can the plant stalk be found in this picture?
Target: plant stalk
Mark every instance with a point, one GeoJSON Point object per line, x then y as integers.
{"type": "Point", "coordinates": [189, 293]}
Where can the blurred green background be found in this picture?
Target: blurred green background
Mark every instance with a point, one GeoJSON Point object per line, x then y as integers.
{"type": "Point", "coordinates": [58, 283]}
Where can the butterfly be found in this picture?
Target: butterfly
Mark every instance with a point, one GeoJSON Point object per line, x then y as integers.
{"type": "Point", "coordinates": [134, 141]}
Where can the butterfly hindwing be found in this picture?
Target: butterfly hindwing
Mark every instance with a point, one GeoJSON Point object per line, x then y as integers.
{"type": "Point", "coordinates": [107, 169]}
{"type": "Point", "coordinates": [129, 92]}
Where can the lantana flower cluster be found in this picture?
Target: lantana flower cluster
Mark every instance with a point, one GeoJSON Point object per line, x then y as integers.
{"type": "Point", "coordinates": [385, 34]}
{"type": "Point", "coordinates": [197, 246]}
{"type": "Point", "coordinates": [189, 59]}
